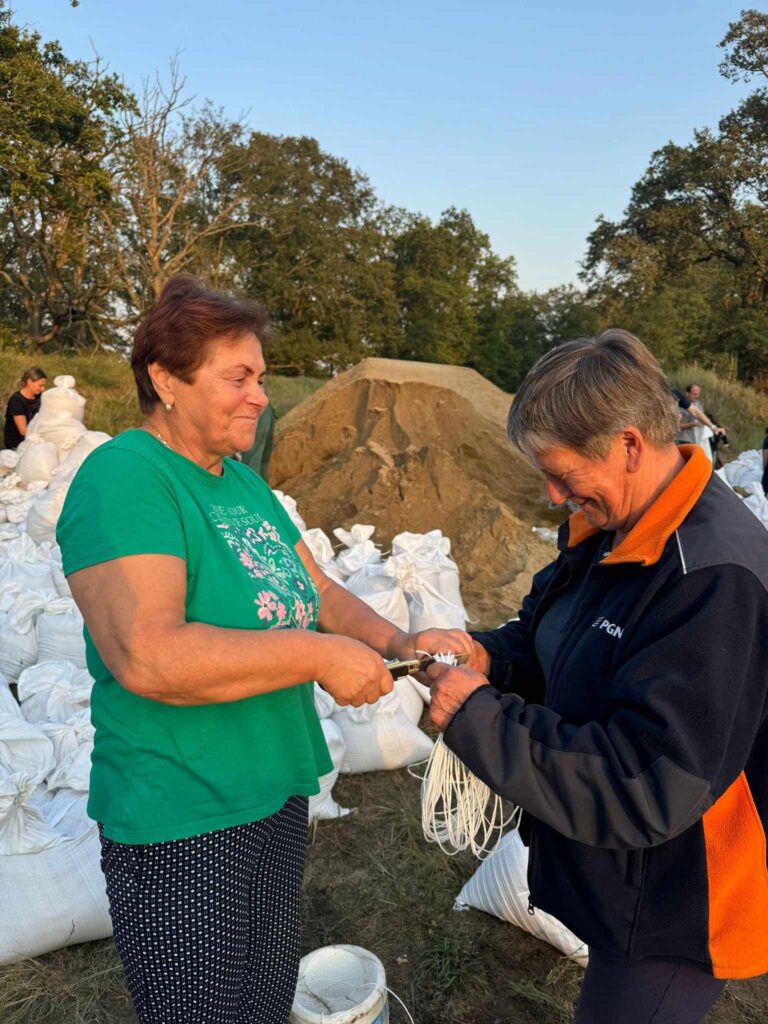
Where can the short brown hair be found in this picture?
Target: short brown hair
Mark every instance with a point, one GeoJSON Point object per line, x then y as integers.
{"type": "Point", "coordinates": [178, 330]}
{"type": "Point", "coordinates": [583, 393]}
{"type": "Point", "coordinates": [33, 373]}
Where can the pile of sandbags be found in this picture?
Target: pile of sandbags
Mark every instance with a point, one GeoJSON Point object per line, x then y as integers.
{"type": "Point", "coordinates": [744, 470]}
{"type": "Point", "coordinates": [51, 886]}
{"type": "Point", "coordinates": [757, 502]}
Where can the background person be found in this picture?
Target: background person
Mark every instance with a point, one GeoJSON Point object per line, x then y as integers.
{"type": "Point", "coordinates": [765, 463]}
{"type": "Point", "coordinates": [693, 430]}
{"type": "Point", "coordinates": [687, 402]}
{"type": "Point", "coordinates": [23, 405]}
{"type": "Point", "coordinates": [260, 452]}
{"type": "Point", "coordinates": [202, 608]}
{"type": "Point", "coordinates": [626, 710]}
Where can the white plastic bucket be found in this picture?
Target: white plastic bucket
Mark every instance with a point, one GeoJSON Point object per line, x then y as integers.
{"type": "Point", "coordinates": [340, 985]}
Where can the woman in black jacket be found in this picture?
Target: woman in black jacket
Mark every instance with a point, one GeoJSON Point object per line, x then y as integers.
{"type": "Point", "coordinates": [625, 711]}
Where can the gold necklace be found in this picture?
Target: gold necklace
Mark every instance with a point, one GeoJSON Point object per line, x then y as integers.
{"type": "Point", "coordinates": [162, 440]}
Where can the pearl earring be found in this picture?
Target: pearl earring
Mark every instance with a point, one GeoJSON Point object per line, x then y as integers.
{"type": "Point", "coordinates": [168, 406]}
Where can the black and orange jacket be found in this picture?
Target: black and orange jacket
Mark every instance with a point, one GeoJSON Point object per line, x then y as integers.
{"type": "Point", "coordinates": [643, 761]}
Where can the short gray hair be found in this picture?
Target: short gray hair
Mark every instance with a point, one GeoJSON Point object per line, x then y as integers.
{"type": "Point", "coordinates": [583, 393]}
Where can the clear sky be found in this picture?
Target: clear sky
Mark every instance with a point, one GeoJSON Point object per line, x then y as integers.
{"type": "Point", "coordinates": [536, 117]}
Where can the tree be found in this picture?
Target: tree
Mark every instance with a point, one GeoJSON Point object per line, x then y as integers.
{"type": "Point", "coordinates": [449, 283]}
{"type": "Point", "coordinates": [57, 129]}
{"type": "Point", "coordinates": [313, 250]}
{"type": "Point", "coordinates": [695, 232]}
{"type": "Point", "coordinates": [170, 175]}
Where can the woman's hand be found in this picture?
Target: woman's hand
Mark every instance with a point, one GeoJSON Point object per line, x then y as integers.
{"type": "Point", "coordinates": [450, 687]}
{"type": "Point", "coordinates": [433, 641]}
{"type": "Point", "coordinates": [351, 672]}
{"type": "Point", "coordinates": [443, 641]}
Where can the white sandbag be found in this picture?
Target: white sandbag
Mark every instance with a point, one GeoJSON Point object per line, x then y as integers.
{"type": "Point", "coordinates": [52, 890]}
{"type": "Point", "coordinates": [22, 828]}
{"type": "Point", "coordinates": [385, 740]}
{"type": "Point", "coordinates": [8, 533]}
{"type": "Point", "coordinates": [289, 504]}
{"type": "Point", "coordinates": [17, 513]}
{"type": "Point", "coordinates": [545, 533]}
{"type": "Point", "coordinates": [38, 460]}
{"type": "Point", "coordinates": [319, 545]}
{"type": "Point", "coordinates": [360, 554]}
{"type": "Point", "coordinates": [61, 400]}
{"type": "Point", "coordinates": [17, 651]}
{"type": "Point", "coordinates": [382, 593]}
{"type": "Point", "coordinates": [16, 497]}
{"type": "Point", "coordinates": [325, 705]}
{"type": "Point", "coordinates": [57, 571]}
{"type": "Point", "coordinates": [25, 562]}
{"type": "Point", "coordinates": [24, 747]}
{"type": "Point", "coordinates": [321, 550]}
{"type": "Point", "coordinates": [73, 771]}
{"type": "Point", "coordinates": [84, 445]}
{"type": "Point", "coordinates": [8, 703]}
{"type": "Point", "coordinates": [67, 737]}
{"type": "Point", "coordinates": [59, 579]}
{"type": "Point", "coordinates": [758, 503]}
{"type": "Point", "coordinates": [500, 887]}
{"type": "Point", "coordinates": [416, 689]}
{"type": "Point", "coordinates": [430, 579]}
{"type": "Point", "coordinates": [323, 807]}
{"type": "Point", "coordinates": [66, 811]}
{"type": "Point", "coordinates": [410, 701]}
{"type": "Point", "coordinates": [44, 514]}
{"type": "Point", "coordinates": [427, 607]}
{"type": "Point", "coordinates": [21, 604]}
{"type": "Point", "coordinates": [61, 430]}
{"type": "Point", "coordinates": [744, 470]}
{"type": "Point", "coordinates": [423, 691]}
{"type": "Point", "coordinates": [54, 691]}
{"type": "Point", "coordinates": [60, 632]}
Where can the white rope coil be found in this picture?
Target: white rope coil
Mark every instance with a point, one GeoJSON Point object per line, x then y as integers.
{"type": "Point", "coordinates": [458, 811]}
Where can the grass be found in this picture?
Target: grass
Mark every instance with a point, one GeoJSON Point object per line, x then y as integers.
{"type": "Point", "coordinates": [371, 879]}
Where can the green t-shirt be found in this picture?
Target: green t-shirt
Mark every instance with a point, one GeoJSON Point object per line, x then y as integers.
{"type": "Point", "coordinates": [161, 772]}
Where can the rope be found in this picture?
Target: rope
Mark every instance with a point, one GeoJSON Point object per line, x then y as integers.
{"type": "Point", "coordinates": [458, 810]}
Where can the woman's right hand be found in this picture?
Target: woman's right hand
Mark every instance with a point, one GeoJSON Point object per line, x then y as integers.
{"type": "Point", "coordinates": [351, 672]}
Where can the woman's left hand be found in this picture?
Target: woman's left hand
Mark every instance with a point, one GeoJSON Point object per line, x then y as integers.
{"type": "Point", "coordinates": [451, 686]}
{"type": "Point", "coordinates": [433, 641]}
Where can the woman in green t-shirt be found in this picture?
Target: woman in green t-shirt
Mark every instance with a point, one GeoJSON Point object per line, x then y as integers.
{"type": "Point", "coordinates": [205, 618]}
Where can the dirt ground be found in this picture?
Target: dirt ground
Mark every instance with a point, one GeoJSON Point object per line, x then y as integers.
{"type": "Point", "coordinates": [414, 446]}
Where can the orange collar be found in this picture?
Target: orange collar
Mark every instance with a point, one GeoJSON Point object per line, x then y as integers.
{"type": "Point", "coordinates": [646, 540]}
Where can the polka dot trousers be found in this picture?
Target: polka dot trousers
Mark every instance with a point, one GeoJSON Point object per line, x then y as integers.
{"type": "Point", "coordinates": [207, 928]}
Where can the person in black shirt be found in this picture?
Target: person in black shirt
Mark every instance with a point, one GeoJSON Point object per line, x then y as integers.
{"type": "Point", "coordinates": [765, 463]}
{"type": "Point", "coordinates": [23, 405]}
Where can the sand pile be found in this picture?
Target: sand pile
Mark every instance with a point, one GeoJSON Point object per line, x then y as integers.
{"type": "Point", "coordinates": [418, 446]}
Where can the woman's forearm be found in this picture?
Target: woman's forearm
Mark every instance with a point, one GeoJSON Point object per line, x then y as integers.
{"type": "Point", "coordinates": [344, 613]}
{"type": "Point", "coordinates": [194, 663]}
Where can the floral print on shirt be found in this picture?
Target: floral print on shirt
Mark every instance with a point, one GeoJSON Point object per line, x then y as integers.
{"type": "Point", "coordinates": [286, 597]}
